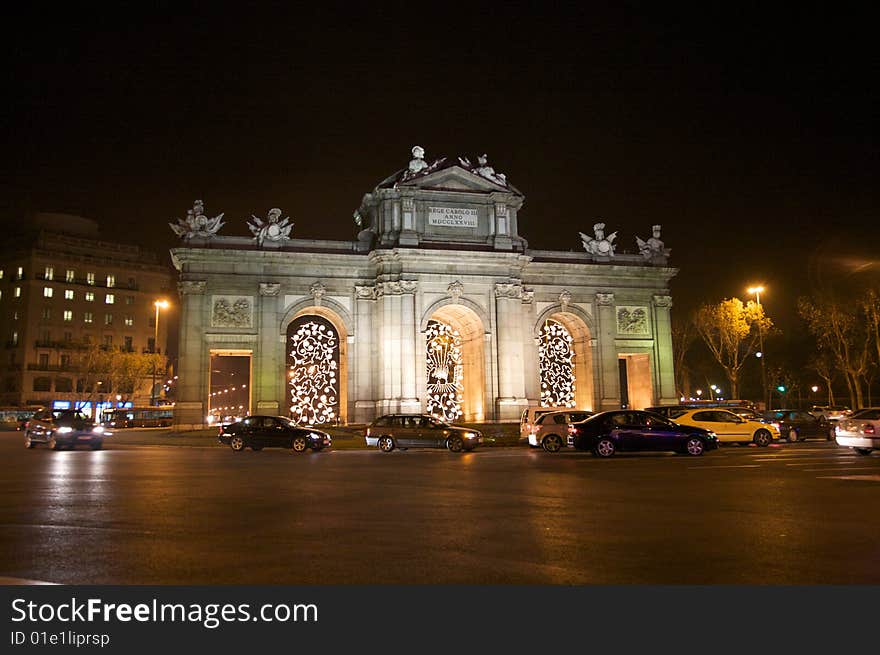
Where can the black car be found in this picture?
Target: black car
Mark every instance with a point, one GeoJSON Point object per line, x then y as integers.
{"type": "Point", "coordinates": [419, 431]}
{"type": "Point", "coordinates": [631, 430]}
{"type": "Point", "coordinates": [258, 432]}
{"type": "Point", "coordinates": [63, 428]}
{"type": "Point", "coordinates": [798, 425]}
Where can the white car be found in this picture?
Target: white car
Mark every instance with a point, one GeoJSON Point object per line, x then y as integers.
{"type": "Point", "coordinates": [861, 431]}
{"type": "Point", "coordinates": [831, 412]}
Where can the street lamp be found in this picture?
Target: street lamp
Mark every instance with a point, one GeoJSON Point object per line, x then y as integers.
{"type": "Point", "coordinates": [758, 291]}
{"type": "Point", "coordinates": [713, 389]}
{"type": "Point", "coordinates": [159, 304]}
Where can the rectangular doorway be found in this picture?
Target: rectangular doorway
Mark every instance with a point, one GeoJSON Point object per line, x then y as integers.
{"type": "Point", "coordinates": [229, 386]}
{"type": "Point", "coordinates": [636, 386]}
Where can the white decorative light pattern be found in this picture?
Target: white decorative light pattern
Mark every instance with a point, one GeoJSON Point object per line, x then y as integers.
{"type": "Point", "coordinates": [557, 370]}
{"type": "Point", "coordinates": [313, 363]}
{"type": "Point", "coordinates": [445, 376]}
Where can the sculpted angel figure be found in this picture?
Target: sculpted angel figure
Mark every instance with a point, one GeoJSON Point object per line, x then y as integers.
{"type": "Point", "coordinates": [272, 229]}
{"type": "Point", "coordinates": [653, 246]}
{"type": "Point", "coordinates": [197, 224]}
{"type": "Point", "coordinates": [488, 172]}
{"type": "Point", "coordinates": [601, 245]}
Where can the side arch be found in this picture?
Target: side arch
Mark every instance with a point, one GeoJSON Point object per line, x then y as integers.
{"type": "Point", "coordinates": [560, 309]}
{"type": "Point", "coordinates": [579, 326]}
{"type": "Point", "coordinates": [329, 309]}
{"type": "Point", "coordinates": [470, 304]}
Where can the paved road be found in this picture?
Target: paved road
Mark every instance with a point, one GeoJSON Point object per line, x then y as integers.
{"type": "Point", "coordinates": [788, 514]}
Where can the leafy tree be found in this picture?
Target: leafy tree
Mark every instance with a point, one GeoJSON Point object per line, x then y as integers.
{"type": "Point", "coordinates": [822, 364]}
{"type": "Point", "coordinates": [731, 331]}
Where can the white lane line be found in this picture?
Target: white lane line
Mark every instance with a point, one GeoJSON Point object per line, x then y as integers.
{"type": "Point", "coordinates": [844, 468]}
{"type": "Point", "coordinates": [867, 478]}
{"type": "Point", "coordinates": [731, 466]}
{"type": "Point", "coordinates": [23, 581]}
{"type": "Point", "coordinates": [818, 460]}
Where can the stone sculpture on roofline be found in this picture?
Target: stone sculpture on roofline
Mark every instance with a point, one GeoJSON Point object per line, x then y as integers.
{"type": "Point", "coordinates": [653, 249]}
{"type": "Point", "coordinates": [196, 224]}
{"type": "Point", "coordinates": [600, 246]}
{"type": "Point", "coordinates": [272, 229]}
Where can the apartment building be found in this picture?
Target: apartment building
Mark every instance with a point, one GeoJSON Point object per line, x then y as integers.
{"type": "Point", "coordinates": [63, 284]}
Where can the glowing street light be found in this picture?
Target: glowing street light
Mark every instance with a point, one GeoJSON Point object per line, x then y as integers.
{"type": "Point", "coordinates": [159, 304]}
{"type": "Point", "coordinates": [758, 290]}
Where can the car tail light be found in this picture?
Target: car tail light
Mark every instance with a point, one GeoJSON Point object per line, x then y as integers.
{"type": "Point", "coordinates": [572, 429]}
{"type": "Point", "coordinates": [869, 428]}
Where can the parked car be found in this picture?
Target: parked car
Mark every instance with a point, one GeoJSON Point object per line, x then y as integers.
{"type": "Point", "coordinates": [798, 425]}
{"type": "Point", "coordinates": [606, 433]}
{"type": "Point", "coordinates": [419, 431]}
{"type": "Point", "coordinates": [530, 417]}
{"type": "Point", "coordinates": [831, 412]}
{"type": "Point", "coordinates": [861, 431]}
{"type": "Point", "coordinates": [258, 432]}
{"type": "Point", "coordinates": [63, 428]}
{"type": "Point", "coordinates": [550, 430]}
{"type": "Point", "coordinates": [729, 427]}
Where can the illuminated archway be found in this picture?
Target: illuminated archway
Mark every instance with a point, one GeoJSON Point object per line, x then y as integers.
{"type": "Point", "coordinates": [565, 361]}
{"type": "Point", "coordinates": [315, 369]}
{"type": "Point", "coordinates": [454, 360]}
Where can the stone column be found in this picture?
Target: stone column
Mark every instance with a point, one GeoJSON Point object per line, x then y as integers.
{"type": "Point", "coordinates": [269, 358]}
{"type": "Point", "coordinates": [530, 348]}
{"type": "Point", "coordinates": [408, 343]}
{"type": "Point", "coordinates": [663, 355]}
{"type": "Point", "coordinates": [192, 390]}
{"type": "Point", "coordinates": [508, 326]}
{"type": "Point", "coordinates": [365, 358]}
{"type": "Point", "coordinates": [609, 373]}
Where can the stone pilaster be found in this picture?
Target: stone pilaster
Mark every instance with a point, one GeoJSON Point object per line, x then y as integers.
{"type": "Point", "coordinates": [192, 392]}
{"type": "Point", "coordinates": [511, 381]}
{"type": "Point", "coordinates": [609, 371]}
{"type": "Point", "coordinates": [364, 361]}
{"type": "Point", "coordinates": [663, 355]}
{"type": "Point", "coordinates": [269, 358]}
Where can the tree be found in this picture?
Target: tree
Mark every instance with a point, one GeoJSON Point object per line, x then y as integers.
{"type": "Point", "coordinates": [683, 335]}
{"type": "Point", "coordinates": [130, 371]}
{"type": "Point", "coordinates": [839, 328]}
{"type": "Point", "coordinates": [731, 331]}
{"type": "Point", "coordinates": [822, 364]}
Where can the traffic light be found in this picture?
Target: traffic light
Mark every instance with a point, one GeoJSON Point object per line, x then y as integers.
{"type": "Point", "coordinates": [780, 389]}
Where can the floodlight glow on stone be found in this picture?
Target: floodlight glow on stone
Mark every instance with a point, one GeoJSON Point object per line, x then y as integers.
{"type": "Point", "coordinates": [555, 356]}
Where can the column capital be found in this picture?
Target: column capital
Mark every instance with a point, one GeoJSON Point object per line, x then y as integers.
{"type": "Point", "coordinates": [191, 287]}
{"type": "Point", "coordinates": [269, 288]}
{"type": "Point", "coordinates": [662, 301]}
{"type": "Point", "coordinates": [605, 298]}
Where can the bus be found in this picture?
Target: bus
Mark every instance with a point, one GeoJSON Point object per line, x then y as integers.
{"type": "Point", "coordinates": [138, 417]}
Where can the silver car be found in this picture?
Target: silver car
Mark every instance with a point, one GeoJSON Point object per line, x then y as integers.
{"type": "Point", "coordinates": [861, 431]}
{"type": "Point", "coordinates": [550, 430]}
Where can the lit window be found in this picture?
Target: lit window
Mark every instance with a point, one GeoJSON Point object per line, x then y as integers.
{"type": "Point", "coordinates": [15, 338]}
{"type": "Point", "coordinates": [1, 273]}
{"type": "Point", "coordinates": [68, 294]}
{"type": "Point", "coordinates": [129, 300]}
{"type": "Point", "coordinates": [1, 295]}
{"type": "Point", "coordinates": [49, 273]}
{"type": "Point", "coordinates": [17, 292]}
{"type": "Point", "coordinates": [19, 273]}
{"type": "Point", "coordinates": [90, 278]}
{"type": "Point", "coordinates": [109, 299]}
{"type": "Point", "coordinates": [15, 316]}
{"type": "Point", "coordinates": [90, 296]}
{"type": "Point", "coordinates": [70, 276]}
{"type": "Point", "coordinates": [68, 316]}
{"type": "Point", "coordinates": [87, 317]}
{"type": "Point", "coordinates": [129, 321]}
{"type": "Point", "coordinates": [111, 280]}
{"type": "Point", "coordinates": [108, 319]}
{"type": "Point", "coordinates": [47, 292]}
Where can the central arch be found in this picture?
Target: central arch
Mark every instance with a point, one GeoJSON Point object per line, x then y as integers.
{"type": "Point", "coordinates": [455, 363]}
{"type": "Point", "coordinates": [568, 360]}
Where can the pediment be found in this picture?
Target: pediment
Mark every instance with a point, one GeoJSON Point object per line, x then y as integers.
{"type": "Point", "coordinates": [455, 178]}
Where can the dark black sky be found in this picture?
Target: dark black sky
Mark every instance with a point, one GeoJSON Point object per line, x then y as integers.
{"type": "Point", "coordinates": [748, 133]}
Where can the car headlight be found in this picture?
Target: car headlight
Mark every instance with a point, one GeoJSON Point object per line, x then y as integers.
{"type": "Point", "coordinates": [470, 435]}
{"type": "Point", "coordinates": [713, 435]}
{"type": "Point", "coordinates": [775, 426]}
{"type": "Point", "coordinates": [98, 429]}
{"type": "Point", "coordinates": [64, 430]}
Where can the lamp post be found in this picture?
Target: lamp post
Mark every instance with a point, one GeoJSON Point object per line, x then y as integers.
{"type": "Point", "coordinates": [159, 304]}
{"type": "Point", "coordinates": [758, 291]}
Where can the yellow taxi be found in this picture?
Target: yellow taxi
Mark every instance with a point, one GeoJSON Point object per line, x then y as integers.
{"type": "Point", "coordinates": [729, 427]}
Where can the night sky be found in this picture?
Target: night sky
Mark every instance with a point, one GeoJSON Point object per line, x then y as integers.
{"type": "Point", "coordinates": [750, 135]}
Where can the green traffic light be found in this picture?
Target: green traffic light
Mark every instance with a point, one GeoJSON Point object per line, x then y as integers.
{"type": "Point", "coordinates": [781, 388]}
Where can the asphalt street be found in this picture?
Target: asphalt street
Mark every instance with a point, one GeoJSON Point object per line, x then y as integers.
{"type": "Point", "coordinates": [802, 513]}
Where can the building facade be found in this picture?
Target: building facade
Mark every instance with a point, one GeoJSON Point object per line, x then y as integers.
{"type": "Point", "coordinates": [63, 286]}
{"type": "Point", "coordinates": [438, 306]}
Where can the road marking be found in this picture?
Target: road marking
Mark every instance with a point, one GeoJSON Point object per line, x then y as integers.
{"type": "Point", "coordinates": [845, 468]}
{"type": "Point", "coordinates": [23, 581]}
{"type": "Point", "coordinates": [867, 478]}
{"type": "Point", "coordinates": [728, 466]}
